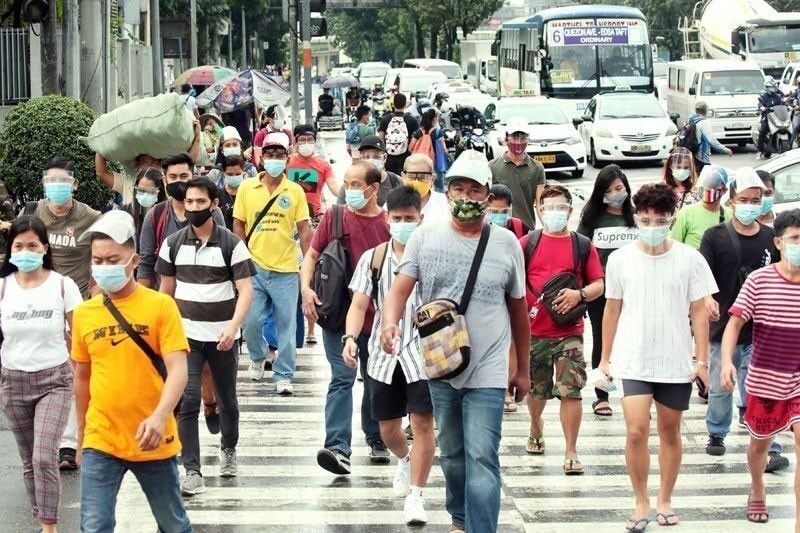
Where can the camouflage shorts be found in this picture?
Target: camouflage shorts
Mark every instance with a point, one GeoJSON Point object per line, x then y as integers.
{"type": "Point", "coordinates": [559, 358]}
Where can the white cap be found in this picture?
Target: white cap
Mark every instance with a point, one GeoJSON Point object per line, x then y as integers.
{"type": "Point", "coordinates": [517, 125]}
{"type": "Point", "coordinates": [747, 178]}
{"type": "Point", "coordinates": [229, 132]}
{"type": "Point", "coordinates": [470, 165]}
{"type": "Point", "coordinates": [116, 224]}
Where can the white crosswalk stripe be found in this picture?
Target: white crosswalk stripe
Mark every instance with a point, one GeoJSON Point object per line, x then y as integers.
{"type": "Point", "coordinates": [281, 488]}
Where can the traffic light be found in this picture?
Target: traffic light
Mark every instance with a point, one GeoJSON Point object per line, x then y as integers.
{"type": "Point", "coordinates": [319, 26]}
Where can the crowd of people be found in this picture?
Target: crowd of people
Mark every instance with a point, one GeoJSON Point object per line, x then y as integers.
{"type": "Point", "coordinates": [120, 329]}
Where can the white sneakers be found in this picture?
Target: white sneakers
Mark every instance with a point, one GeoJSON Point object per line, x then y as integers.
{"type": "Point", "coordinates": [414, 508]}
{"type": "Point", "coordinates": [284, 387]}
{"type": "Point", "coordinates": [256, 370]}
{"type": "Point", "coordinates": [402, 478]}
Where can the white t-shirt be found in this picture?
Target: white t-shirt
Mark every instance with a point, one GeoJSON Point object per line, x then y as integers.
{"type": "Point", "coordinates": [437, 209]}
{"type": "Point", "coordinates": [654, 341]}
{"type": "Point", "coordinates": [190, 102]}
{"type": "Point", "coordinates": [33, 323]}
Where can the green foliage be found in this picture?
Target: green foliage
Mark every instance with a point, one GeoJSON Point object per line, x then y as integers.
{"type": "Point", "coordinates": [40, 129]}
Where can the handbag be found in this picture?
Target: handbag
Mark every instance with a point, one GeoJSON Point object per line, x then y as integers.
{"type": "Point", "coordinates": [442, 328]}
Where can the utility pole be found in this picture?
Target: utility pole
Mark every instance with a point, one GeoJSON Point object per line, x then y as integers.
{"type": "Point", "coordinates": [294, 61]}
{"type": "Point", "coordinates": [106, 51]}
{"type": "Point", "coordinates": [193, 31]}
{"type": "Point", "coordinates": [155, 45]}
{"type": "Point", "coordinates": [72, 50]}
{"type": "Point", "coordinates": [244, 44]}
{"type": "Point", "coordinates": [92, 54]}
{"type": "Point", "coordinates": [306, 27]}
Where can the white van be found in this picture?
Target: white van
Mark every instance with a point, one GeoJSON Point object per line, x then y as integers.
{"type": "Point", "coordinates": [730, 88]}
{"type": "Point", "coordinates": [788, 78]}
{"type": "Point", "coordinates": [448, 68]}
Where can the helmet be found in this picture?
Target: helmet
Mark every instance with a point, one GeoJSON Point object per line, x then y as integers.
{"type": "Point", "coordinates": [422, 105]}
{"type": "Point", "coordinates": [770, 83]}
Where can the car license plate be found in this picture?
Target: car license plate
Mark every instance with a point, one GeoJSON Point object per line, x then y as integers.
{"type": "Point", "coordinates": [640, 148]}
{"type": "Point", "coordinates": [545, 159]}
{"type": "Point", "coordinates": [737, 126]}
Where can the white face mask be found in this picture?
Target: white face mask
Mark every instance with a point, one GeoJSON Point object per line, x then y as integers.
{"type": "Point", "coordinates": [306, 150]}
{"type": "Point", "coordinates": [229, 151]}
{"type": "Point", "coordinates": [277, 124]}
{"type": "Point", "coordinates": [681, 174]}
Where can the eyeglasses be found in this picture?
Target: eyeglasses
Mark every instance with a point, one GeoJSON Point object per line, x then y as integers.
{"type": "Point", "coordinates": [648, 222]}
{"type": "Point", "coordinates": [418, 176]}
{"type": "Point", "coordinates": [556, 207]}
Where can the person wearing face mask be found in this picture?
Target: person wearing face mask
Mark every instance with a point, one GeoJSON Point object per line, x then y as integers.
{"type": "Point", "coordinates": [230, 144]}
{"type": "Point", "coordinates": [731, 263]}
{"type": "Point", "coordinates": [312, 173]}
{"type": "Point", "coordinates": [650, 283]}
{"type": "Point", "coordinates": [267, 212]}
{"type": "Point", "coordinates": [234, 175]}
{"type": "Point", "coordinates": [519, 172]}
{"type": "Point", "coordinates": [469, 444]}
{"type": "Point", "coordinates": [558, 368]}
{"type": "Point", "coordinates": [364, 227]}
{"type": "Point", "coordinates": [693, 221]}
{"type": "Point", "coordinates": [768, 198]}
{"type": "Point", "coordinates": [680, 175]}
{"type": "Point", "coordinates": [273, 120]}
{"type": "Point", "coordinates": [213, 303]}
{"type": "Point", "coordinates": [148, 191]}
{"type": "Point", "coordinates": [127, 422]}
{"type": "Point", "coordinates": [373, 151]}
{"type": "Point", "coordinates": [768, 299]}
{"type": "Point", "coordinates": [769, 98]}
{"type": "Point", "coordinates": [499, 211]}
{"type": "Point", "coordinates": [607, 219]}
{"type": "Point", "coordinates": [398, 384]}
{"type": "Point", "coordinates": [167, 217]}
{"type": "Point", "coordinates": [418, 173]}
{"type": "Point", "coordinates": [36, 306]}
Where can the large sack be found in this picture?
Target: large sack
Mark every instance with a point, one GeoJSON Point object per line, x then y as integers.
{"type": "Point", "coordinates": [158, 126]}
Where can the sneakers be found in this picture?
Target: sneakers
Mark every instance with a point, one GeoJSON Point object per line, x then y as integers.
{"type": "Point", "coordinates": [333, 462]}
{"type": "Point", "coordinates": [256, 370]}
{"type": "Point", "coordinates": [414, 509]}
{"type": "Point", "coordinates": [715, 446]}
{"type": "Point", "coordinates": [402, 477]}
{"type": "Point", "coordinates": [192, 483]}
{"type": "Point", "coordinates": [212, 417]}
{"type": "Point", "coordinates": [228, 467]}
{"type": "Point", "coordinates": [776, 463]}
{"type": "Point", "coordinates": [66, 459]}
{"type": "Point", "coordinates": [378, 454]}
{"type": "Point", "coordinates": [284, 387]}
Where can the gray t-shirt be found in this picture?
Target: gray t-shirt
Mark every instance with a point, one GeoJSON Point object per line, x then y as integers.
{"type": "Point", "coordinates": [439, 258]}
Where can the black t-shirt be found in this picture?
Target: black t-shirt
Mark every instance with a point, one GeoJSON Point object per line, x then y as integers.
{"type": "Point", "coordinates": [757, 251]}
{"type": "Point", "coordinates": [226, 201]}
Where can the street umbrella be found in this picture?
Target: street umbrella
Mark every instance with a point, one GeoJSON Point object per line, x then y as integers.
{"type": "Point", "coordinates": [343, 81]}
{"type": "Point", "coordinates": [241, 90]}
{"type": "Point", "coordinates": [204, 75]}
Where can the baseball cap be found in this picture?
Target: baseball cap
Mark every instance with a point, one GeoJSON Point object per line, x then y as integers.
{"type": "Point", "coordinates": [747, 178]}
{"type": "Point", "coordinates": [116, 224]}
{"type": "Point", "coordinates": [372, 141]}
{"type": "Point", "coordinates": [712, 176]}
{"type": "Point", "coordinates": [276, 139]}
{"type": "Point", "coordinates": [230, 132]}
{"type": "Point", "coordinates": [517, 125]}
{"type": "Point", "coordinates": [304, 129]}
{"type": "Point", "coordinates": [470, 165]}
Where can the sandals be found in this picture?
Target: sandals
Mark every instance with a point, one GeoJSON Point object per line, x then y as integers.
{"type": "Point", "coordinates": [757, 511]}
{"type": "Point", "coordinates": [602, 408]}
{"type": "Point", "coordinates": [573, 467]}
{"type": "Point", "coordinates": [663, 519]}
{"type": "Point", "coordinates": [311, 340]}
{"type": "Point", "coordinates": [636, 528]}
{"type": "Point", "coordinates": [535, 445]}
{"type": "Point", "coordinates": [510, 405]}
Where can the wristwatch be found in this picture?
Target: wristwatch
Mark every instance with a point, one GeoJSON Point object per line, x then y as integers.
{"type": "Point", "coordinates": [583, 294]}
{"type": "Point", "coordinates": [346, 337]}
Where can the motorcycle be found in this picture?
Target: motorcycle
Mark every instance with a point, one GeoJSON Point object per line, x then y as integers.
{"type": "Point", "coordinates": [779, 130]}
{"type": "Point", "coordinates": [473, 127]}
{"type": "Point", "coordinates": [475, 139]}
{"type": "Point", "coordinates": [452, 140]}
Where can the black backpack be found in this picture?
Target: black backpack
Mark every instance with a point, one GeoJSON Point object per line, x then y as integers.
{"type": "Point", "coordinates": [687, 136]}
{"type": "Point", "coordinates": [331, 278]}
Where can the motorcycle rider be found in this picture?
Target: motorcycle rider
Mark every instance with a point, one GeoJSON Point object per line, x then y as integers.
{"type": "Point", "coordinates": [768, 99]}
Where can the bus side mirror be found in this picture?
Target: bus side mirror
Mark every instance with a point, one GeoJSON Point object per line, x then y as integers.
{"type": "Point", "coordinates": [692, 91]}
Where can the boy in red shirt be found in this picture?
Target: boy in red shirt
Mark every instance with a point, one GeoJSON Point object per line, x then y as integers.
{"type": "Point", "coordinates": [499, 211]}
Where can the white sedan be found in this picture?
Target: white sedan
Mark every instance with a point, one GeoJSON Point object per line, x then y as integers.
{"type": "Point", "coordinates": [626, 126]}
{"type": "Point", "coordinates": [552, 140]}
{"type": "Point", "coordinates": [785, 168]}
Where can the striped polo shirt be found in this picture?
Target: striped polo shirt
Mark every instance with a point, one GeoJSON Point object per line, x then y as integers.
{"type": "Point", "coordinates": [205, 277]}
{"type": "Point", "coordinates": [773, 304]}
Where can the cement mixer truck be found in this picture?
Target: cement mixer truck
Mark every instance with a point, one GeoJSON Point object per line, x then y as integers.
{"type": "Point", "coordinates": [751, 30]}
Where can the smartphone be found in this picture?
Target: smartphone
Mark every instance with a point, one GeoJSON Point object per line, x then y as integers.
{"type": "Point", "coordinates": [701, 389]}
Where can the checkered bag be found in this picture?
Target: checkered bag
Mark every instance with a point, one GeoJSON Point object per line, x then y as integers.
{"type": "Point", "coordinates": [443, 329]}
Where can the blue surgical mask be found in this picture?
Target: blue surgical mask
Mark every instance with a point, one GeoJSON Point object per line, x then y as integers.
{"type": "Point", "coordinates": [555, 221]}
{"type": "Point", "coordinates": [111, 278]}
{"type": "Point", "coordinates": [792, 253]}
{"type": "Point", "coordinates": [654, 236]}
{"type": "Point", "coordinates": [355, 198]}
{"type": "Point", "coordinates": [26, 261]}
{"type": "Point", "coordinates": [746, 213]}
{"type": "Point", "coordinates": [147, 199]}
{"type": "Point", "coordinates": [681, 174]}
{"type": "Point", "coordinates": [274, 167]}
{"type": "Point", "coordinates": [615, 200]}
{"type": "Point", "coordinates": [767, 203]}
{"type": "Point", "coordinates": [377, 163]}
{"type": "Point", "coordinates": [498, 219]}
{"type": "Point", "coordinates": [401, 231]}
{"type": "Point", "coordinates": [233, 181]}
{"type": "Point", "coordinates": [58, 193]}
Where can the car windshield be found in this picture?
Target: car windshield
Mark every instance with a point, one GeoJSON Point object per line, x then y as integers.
{"type": "Point", "coordinates": [732, 82]}
{"type": "Point", "coordinates": [631, 107]}
{"type": "Point", "coordinates": [775, 39]}
{"type": "Point", "coordinates": [491, 70]}
{"type": "Point", "coordinates": [419, 82]}
{"type": "Point", "coordinates": [453, 72]}
{"type": "Point", "coordinates": [373, 71]}
{"type": "Point", "coordinates": [533, 114]}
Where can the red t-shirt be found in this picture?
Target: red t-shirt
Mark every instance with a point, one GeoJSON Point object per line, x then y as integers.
{"type": "Point", "coordinates": [360, 234]}
{"type": "Point", "coordinates": [553, 256]}
{"type": "Point", "coordinates": [260, 134]}
{"type": "Point", "coordinates": [310, 173]}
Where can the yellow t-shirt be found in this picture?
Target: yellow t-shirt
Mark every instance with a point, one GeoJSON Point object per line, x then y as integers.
{"type": "Point", "coordinates": [125, 387]}
{"type": "Point", "coordinates": [272, 245]}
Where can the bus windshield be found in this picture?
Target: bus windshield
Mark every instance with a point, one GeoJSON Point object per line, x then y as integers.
{"type": "Point", "coordinates": [775, 39]}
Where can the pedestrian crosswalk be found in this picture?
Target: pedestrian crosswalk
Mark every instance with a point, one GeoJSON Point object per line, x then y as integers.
{"type": "Point", "coordinates": [281, 488]}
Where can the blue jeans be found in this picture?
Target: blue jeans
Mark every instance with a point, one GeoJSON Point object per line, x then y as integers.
{"type": "Point", "coordinates": [469, 423]}
{"type": "Point", "coordinates": [271, 335]}
{"type": "Point", "coordinates": [720, 401]}
{"type": "Point", "coordinates": [339, 401]}
{"type": "Point", "coordinates": [278, 290]}
{"type": "Point", "coordinates": [101, 476]}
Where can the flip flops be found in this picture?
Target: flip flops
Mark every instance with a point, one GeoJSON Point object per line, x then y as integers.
{"type": "Point", "coordinates": [535, 445]}
{"type": "Point", "coordinates": [573, 467]}
{"type": "Point", "coordinates": [663, 519]}
{"type": "Point", "coordinates": [757, 511]}
{"type": "Point", "coordinates": [636, 527]}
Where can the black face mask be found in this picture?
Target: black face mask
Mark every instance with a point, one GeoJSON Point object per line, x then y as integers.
{"type": "Point", "coordinates": [198, 218]}
{"type": "Point", "coordinates": [177, 190]}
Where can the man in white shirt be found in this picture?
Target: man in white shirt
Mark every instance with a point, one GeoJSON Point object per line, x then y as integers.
{"type": "Point", "coordinates": [649, 286]}
{"type": "Point", "coordinates": [189, 100]}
